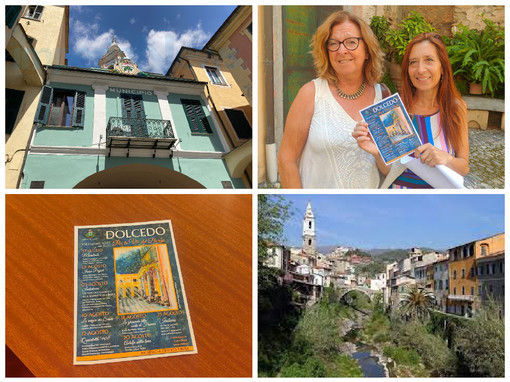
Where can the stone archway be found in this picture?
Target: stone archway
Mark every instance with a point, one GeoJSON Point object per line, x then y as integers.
{"type": "Point", "coordinates": [346, 291]}
{"type": "Point", "coordinates": [138, 176]}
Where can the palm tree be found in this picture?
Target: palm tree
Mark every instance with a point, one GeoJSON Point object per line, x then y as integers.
{"type": "Point", "coordinates": [416, 302]}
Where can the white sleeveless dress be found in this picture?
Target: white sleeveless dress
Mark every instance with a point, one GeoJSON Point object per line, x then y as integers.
{"type": "Point", "coordinates": [331, 157]}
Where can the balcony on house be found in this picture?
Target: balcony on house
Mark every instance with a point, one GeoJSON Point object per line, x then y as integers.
{"type": "Point", "coordinates": [137, 133]}
{"type": "Point", "coordinates": [461, 297]}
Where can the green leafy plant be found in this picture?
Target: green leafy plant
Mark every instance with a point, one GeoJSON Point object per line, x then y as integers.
{"type": "Point", "coordinates": [479, 56]}
{"type": "Point", "coordinates": [397, 39]}
{"type": "Point", "coordinates": [380, 26]}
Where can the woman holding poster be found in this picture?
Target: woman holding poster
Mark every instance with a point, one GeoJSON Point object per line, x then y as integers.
{"type": "Point", "coordinates": [317, 149]}
{"type": "Point", "coordinates": [439, 114]}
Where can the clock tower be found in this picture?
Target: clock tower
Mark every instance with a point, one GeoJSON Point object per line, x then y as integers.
{"type": "Point", "coordinates": [309, 236]}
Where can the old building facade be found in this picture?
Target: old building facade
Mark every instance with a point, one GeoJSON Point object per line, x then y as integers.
{"type": "Point", "coordinates": [35, 36]}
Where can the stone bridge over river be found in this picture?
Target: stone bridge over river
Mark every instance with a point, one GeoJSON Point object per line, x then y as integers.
{"type": "Point", "coordinates": [345, 290]}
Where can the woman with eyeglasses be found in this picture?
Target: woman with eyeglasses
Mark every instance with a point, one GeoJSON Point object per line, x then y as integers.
{"type": "Point", "coordinates": [438, 112]}
{"type": "Point", "coordinates": [317, 149]}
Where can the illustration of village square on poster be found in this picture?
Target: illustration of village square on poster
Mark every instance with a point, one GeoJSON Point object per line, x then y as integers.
{"type": "Point", "coordinates": [129, 296]}
{"type": "Point", "coordinates": [391, 128]}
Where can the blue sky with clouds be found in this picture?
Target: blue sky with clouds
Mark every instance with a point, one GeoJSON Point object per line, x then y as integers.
{"type": "Point", "coordinates": [398, 221]}
{"type": "Point", "coordinates": [149, 35]}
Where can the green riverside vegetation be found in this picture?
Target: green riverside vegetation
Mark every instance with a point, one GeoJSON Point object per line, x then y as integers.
{"type": "Point", "coordinates": [418, 341]}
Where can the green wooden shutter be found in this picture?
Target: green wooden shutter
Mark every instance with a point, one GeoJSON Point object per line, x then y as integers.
{"type": "Point", "coordinates": [11, 14]}
{"type": "Point", "coordinates": [43, 109]}
{"type": "Point", "coordinates": [196, 118]}
{"type": "Point", "coordinates": [78, 110]}
{"type": "Point", "coordinates": [127, 107]}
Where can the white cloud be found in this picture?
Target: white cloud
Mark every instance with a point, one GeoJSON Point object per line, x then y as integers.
{"type": "Point", "coordinates": [91, 45]}
{"type": "Point", "coordinates": [163, 46]}
{"type": "Point", "coordinates": [88, 43]}
{"type": "Point", "coordinates": [127, 49]}
{"type": "Point", "coordinates": [132, 21]}
{"type": "Point", "coordinates": [77, 8]}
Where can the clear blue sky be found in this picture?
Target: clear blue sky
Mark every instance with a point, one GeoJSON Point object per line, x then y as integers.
{"type": "Point", "coordinates": [149, 35]}
{"type": "Point", "coordinates": [398, 221]}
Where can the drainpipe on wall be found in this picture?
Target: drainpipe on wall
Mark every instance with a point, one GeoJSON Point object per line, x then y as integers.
{"type": "Point", "coordinates": [271, 167]}
{"type": "Point", "coordinates": [34, 126]}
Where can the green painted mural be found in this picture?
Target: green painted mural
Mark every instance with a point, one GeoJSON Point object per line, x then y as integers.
{"type": "Point", "coordinates": [299, 26]}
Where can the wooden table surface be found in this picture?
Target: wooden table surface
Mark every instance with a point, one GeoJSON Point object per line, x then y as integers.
{"type": "Point", "coordinates": [213, 236]}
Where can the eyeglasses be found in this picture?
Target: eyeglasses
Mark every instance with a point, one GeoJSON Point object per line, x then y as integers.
{"type": "Point", "coordinates": [350, 43]}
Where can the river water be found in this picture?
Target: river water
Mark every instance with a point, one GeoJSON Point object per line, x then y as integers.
{"type": "Point", "coordinates": [369, 362]}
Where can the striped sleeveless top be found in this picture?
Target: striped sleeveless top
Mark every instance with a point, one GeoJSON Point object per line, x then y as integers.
{"type": "Point", "coordinates": [430, 131]}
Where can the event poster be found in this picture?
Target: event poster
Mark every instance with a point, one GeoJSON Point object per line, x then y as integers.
{"type": "Point", "coordinates": [391, 128]}
{"type": "Point", "coordinates": [129, 295]}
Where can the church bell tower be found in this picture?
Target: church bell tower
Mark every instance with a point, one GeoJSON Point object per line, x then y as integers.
{"type": "Point", "coordinates": [117, 62]}
{"type": "Point", "coordinates": [309, 237]}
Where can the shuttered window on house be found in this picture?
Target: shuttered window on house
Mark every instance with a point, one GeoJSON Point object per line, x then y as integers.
{"type": "Point", "coordinates": [61, 107]}
{"type": "Point", "coordinates": [240, 124]}
{"type": "Point", "coordinates": [197, 120]}
{"type": "Point", "coordinates": [11, 14]}
{"type": "Point", "coordinates": [133, 115]}
{"type": "Point", "coordinates": [132, 106]}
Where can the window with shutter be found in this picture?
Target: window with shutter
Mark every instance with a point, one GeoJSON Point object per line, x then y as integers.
{"type": "Point", "coordinates": [133, 115]}
{"type": "Point", "coordinates": [197, 120]}
{"type": "Point", "coordinates": [215, 76]}
{"type": "Point", "coordinates": [43, 109]}
{"type": "Point", "coordinates": [34, 12]}
{"type": "Point", "coordinates": [239, 122]}
{"type": "Point", "coordinates": [79, 109]}
{"type": "Point", "coordinates": [11, 14]}
{"type": "Point", "coordinates": [61, 107]}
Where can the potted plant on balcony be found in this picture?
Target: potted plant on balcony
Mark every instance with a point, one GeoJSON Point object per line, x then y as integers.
{"type": "Point", "coordinates": [394, 40]}
{"type": "Point", "coordinates": [479, 56]}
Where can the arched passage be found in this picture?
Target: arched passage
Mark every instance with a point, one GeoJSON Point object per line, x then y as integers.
{"type": "Point", "coordinates": [344, 292]}
{"type": "Point", "coordinates": [138, 176]}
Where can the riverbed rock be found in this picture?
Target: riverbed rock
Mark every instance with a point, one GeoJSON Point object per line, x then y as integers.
{"type": "Point", "coordinates": [346, 348]}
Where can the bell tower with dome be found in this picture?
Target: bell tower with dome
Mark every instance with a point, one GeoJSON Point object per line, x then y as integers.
{"type": "Point", "coordinates": [113, 53]}
{"type": "Point", "coordinates": [117, 61]}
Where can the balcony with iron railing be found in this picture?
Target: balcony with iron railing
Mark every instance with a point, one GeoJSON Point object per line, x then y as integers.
{"type": "Point", "coordinates": [461, 297]}
{"type": "Point", "coordinates": [137, 133]}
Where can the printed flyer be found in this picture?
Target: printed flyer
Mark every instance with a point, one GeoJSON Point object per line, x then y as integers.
{"type": "Point", "coordinates": [129, 300]}
{"type": "Point", "coordinates": [391, 128]}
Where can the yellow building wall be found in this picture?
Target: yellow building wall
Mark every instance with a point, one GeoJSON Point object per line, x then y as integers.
{"type": "Point", "coordinates": [49, 34]}
{"type": "Point", "coordinates": [228, 96]}
{"type": "Point", "coordinates": [15, 143]}
{"type": "Point", "coordinates": [496, 244]}
{"type": "Point", "coordinates": [467, 282]}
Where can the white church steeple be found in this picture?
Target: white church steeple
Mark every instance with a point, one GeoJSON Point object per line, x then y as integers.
{"type": "Point", "coordinates": [309, 236]}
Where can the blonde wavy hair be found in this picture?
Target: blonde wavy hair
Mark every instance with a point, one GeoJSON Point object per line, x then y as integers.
{"type": "Point", "coordinates": [374, 66]}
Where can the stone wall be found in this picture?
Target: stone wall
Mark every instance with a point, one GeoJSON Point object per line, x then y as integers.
{"type": "Point", "coordinates": [443, 18]}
